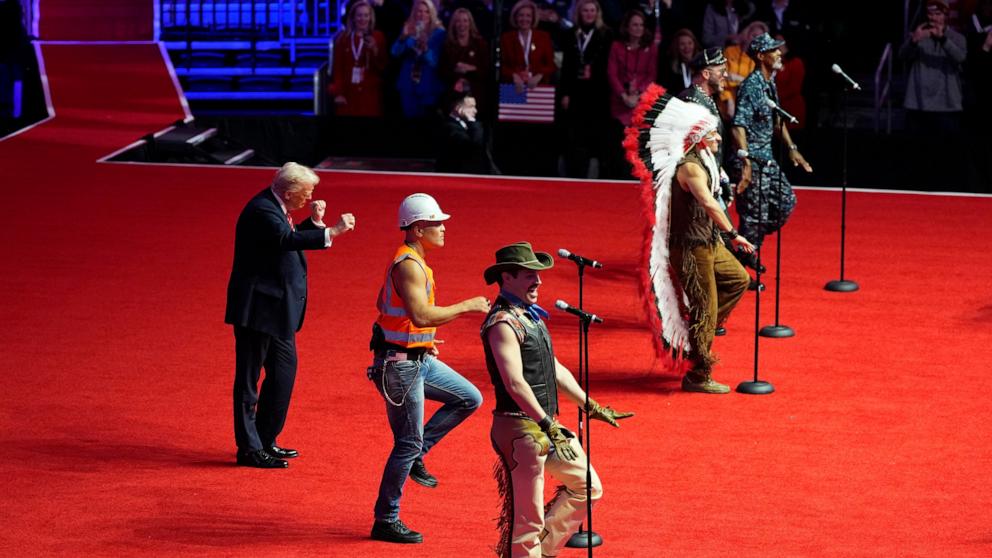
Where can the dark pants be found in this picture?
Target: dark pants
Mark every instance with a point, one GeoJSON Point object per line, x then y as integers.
{"type": "Point", "coordinates": [259, 414]}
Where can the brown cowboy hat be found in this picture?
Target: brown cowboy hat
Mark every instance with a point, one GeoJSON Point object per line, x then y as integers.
{"type": "Point", "coordinates": [517, 255]}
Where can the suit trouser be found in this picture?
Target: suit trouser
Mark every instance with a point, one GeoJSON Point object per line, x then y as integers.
{"type": "Point", "coordinates": [535, 532]}
{"type": "Point", "coordinates": [714, 282]}
{"type": "Point", "coordinates": [259, 414]}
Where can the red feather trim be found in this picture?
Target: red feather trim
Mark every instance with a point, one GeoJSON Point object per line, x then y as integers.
{"type": "Point", "coordinates": [640, 170]}
{"type": "Point", "coordinates": [650, 95]}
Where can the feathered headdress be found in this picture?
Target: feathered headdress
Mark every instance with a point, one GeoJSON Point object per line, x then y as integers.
{"type": "Point", "coordinates": [663, 129]}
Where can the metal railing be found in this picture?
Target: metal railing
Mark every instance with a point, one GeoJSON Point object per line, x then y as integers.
{"type": "Point", "coordinates": [288, 21]}
{"type": "Point", "coordinates": [883, 90]}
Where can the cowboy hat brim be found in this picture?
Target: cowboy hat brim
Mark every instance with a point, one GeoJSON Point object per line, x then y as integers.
{"type": "Point", "coordinates": [543, 261]}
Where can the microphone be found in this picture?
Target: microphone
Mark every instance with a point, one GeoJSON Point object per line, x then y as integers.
{"type": "Point", "coordinates": [579, 260]}
{"type": "Point", "coordinates": [854, 85]}
{"type": "Point", "coordinates": [781, 112]}
{"type": "Point", "coordinates": [562, 305]}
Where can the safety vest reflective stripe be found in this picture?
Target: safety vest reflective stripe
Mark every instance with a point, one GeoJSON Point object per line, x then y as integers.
{"type": "Point", "coordinates": [393, 319]}
{"type": "Point", "coordinates": [403, 337]}
{"type": "Point", "coordinates": [384, 304]}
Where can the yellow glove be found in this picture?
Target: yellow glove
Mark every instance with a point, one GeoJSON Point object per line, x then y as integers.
{"type": "Point", "coordinates": [559, 439]}
{"type": "Point", "coordinates": [605, 414]}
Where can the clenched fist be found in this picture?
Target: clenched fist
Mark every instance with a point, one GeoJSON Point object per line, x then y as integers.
{"type": "Point", "coordinates": [345, 224]}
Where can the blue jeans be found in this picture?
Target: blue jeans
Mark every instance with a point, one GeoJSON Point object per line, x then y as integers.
{"type": "Point", "coordinates": [404, 385]}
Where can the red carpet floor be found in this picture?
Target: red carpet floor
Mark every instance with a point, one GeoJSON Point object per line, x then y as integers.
{"type": "Point", "coordinates": [116, 429]}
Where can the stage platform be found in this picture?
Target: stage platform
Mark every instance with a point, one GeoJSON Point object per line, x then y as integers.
{"type": "Point", "coordinates": [116, 423]}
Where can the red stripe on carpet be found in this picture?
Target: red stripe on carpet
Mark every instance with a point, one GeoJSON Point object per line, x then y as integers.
{"type": "Point", "coordinates": [116, 423]}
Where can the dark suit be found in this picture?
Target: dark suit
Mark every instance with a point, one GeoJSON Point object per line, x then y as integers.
{"type": "Point", "coordinates": [266, 301]}
{"type": "Point", "coordinates": [462, 148]}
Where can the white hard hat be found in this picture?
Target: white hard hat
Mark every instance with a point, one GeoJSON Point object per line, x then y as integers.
{"type": "Point", "coordinates": [420, 207]}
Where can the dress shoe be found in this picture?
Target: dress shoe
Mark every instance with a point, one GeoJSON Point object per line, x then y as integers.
{"type": "Point", "coordinates": [281, 453]}
{"type": "Point", "coordinates": [750, 260]}
{"type": "Point", "coordinates": [260, 459]}
{"type": "Point", "coordinates": [395, 532]}
{"type": "Point", "coordinates": [720, 331]}
{"type": "Point", "coordinates": [706, 386]}
{"type": "Point", "coordinates": [420, 475]}
{"type": "Point", "coordinates": [755, 286]}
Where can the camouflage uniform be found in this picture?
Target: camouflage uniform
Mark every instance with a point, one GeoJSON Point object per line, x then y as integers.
{"type": "Point", "coordinates": [769, 200]}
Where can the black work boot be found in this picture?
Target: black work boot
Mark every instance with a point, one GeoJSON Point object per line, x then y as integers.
{"type": "Point", "coordinates": [420, 475]}
{"type": "Point", "coordinates": [395, 532]}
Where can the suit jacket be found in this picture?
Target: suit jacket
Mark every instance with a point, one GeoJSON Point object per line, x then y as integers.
{"type": "Point", "coordinates": [267, 291]}
{"type": "Point", "coordinates": [462, 148]}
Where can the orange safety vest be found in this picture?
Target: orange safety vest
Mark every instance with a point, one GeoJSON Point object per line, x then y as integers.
{"type": "Point", "coordinates": [393, 319]}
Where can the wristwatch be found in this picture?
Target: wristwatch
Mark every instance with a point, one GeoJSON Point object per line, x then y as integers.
{"type": "Point", "coordinates": [742, 153]}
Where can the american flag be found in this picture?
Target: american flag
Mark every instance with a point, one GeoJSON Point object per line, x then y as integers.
{"type": "Point", "coordinates": [533, 105]}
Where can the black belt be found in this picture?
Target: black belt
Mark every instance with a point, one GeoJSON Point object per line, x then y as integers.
{"type": "Point", "coordinates": [394, 355]}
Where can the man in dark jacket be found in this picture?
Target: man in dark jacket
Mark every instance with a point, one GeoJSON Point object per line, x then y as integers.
{"type": "Point", "coordinates": [266, 301]}
{"type": "Point", "coordinates": [462, 143]}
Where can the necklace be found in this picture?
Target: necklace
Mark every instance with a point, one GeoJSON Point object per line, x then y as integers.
{"type": "Point", "coordinates": [707, 100]}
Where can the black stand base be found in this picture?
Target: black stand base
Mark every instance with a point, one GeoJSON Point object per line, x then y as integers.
{"type": "Point", "coordinates": [841, 286]}
{"type": "Point", "coordinates": [581, 540]}
{"type": "Point", "coordinates": [755, 388]}
{"type": "Point", "coordinates": [778, 331]}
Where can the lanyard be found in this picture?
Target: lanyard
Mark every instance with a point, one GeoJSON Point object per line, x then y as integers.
{"type": "Point", "coordinates": [357, 52]}
{"type": "Point", "coordinates": [526, 47]}
{"type": "Point", "coordinates": [686, 74]}
{"type": "Point", "coordinates": [583, 42]}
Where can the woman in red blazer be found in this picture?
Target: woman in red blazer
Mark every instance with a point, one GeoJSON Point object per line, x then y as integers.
{"type": "Point", "coordinates": [528, 58]}
{"type": "Point", "coordinates": [359, 59]}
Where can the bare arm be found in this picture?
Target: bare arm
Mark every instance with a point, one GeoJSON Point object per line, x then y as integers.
{"type": "Point", "coordinates": [797, 159]}
{"type": "Point", "coordinates": [506, 353]}
{"type": "Point", "coordinates": [693, 179]}
{"type": "Point", "coordinates": [740, 139]}
{"type": "Point", "coordinates": [409, 280]}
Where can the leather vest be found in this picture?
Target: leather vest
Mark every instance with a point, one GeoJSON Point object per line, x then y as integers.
{"type": "Point", "coordinates": [690, 224]}
{"type": "Point", "coordinates": [536, 354]}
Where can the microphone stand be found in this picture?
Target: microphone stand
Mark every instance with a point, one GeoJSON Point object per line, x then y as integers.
{"type": "Point", "coordinates": [756, 386]}
{"type": "Point", "coordinates": [843, 285]}
{"type": "Point", "coordinates": [584, 538]}
{"type": "Point", "coordinates": [778, 330]}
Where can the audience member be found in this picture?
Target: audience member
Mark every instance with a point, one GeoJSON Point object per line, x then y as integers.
{"type": "Point", "coordinates": [632, 66]}
{"type": "Point", "coordinates": [462, 146]}
{"type": "Point", "coordinates": [584, 90]}
{"type": "Point", "coordinates": [465, 62]}
{"type": "Point", "coordinates": [662, 18]}
{"type": "Point", "coordinates": [553, 19]}
{"type": "Point", "coordinates": [789, 82]}
{"type": "Point", "coordinates": [675, 73]}
{"type": "Point", "coordinates": [739, 64]}
{"type": "Point", "coordinates": [528, 59]}
{"type": "Point", "coordinates": [390, 16]}
{"type": "Point", "coordinates": [784, 17]}
{"type": "Point", "coordinates": [722, 20]}
{"type": "Point", "coordinates": [359, 61]}
{"type": "Point", "coordinates": [935, 53]}
{"type": "Point", "coordinates": [419, 50]}
{"type": "Point", "coordinates": [482, 15]}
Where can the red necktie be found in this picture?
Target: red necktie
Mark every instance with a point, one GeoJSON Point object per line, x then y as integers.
{"type": "Point", "coordinates": [289, 218]}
